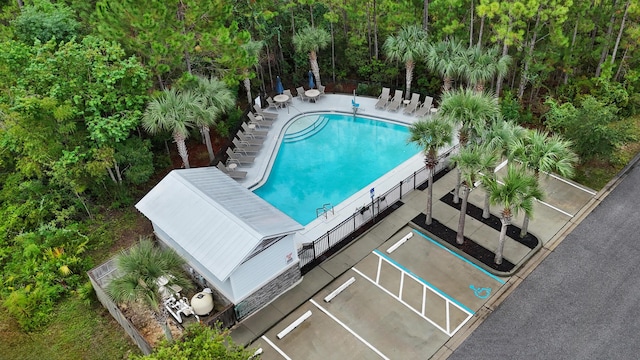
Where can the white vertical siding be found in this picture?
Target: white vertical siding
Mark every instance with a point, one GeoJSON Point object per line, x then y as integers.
{"type": "Point", "coordinates": [263, 267]}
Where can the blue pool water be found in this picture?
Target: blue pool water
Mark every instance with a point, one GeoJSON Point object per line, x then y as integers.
{"type": "Point", "coordinates": [329, 165]}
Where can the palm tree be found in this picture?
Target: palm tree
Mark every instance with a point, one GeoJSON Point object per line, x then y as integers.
{"type": "Point", "coordinates": [143, 268]}
{"type": "Point", "coordinates": [469, 112]}
{"type": "Point", "coordinates": [470, 163]}
{"type": "Point", "coordinates": [216, 100]}
{"type": "Point", "coordinates": [252, 50]}
{"type": "Point", "coordinates": [310, 40]}
{"type": "Point", "coordinates": [481, 65]}
{"type": "Point", "coordinates": [431, 136]}
{"type": "Point", "coordinates": [514, 193]}
{"type": "Point", "coordinates": [498, 137]}
{"type": "Point", "coordinates": [543, 153]}
{"type": "Point", "coordinates": [409, 45]}
{"type": "Point", "coordinates": [446, 58]}
{"type": "Point", "coordinates": [175, 112]}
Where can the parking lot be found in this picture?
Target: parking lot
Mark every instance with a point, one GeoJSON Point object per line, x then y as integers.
{"type": "Point", "coordinates": [392, 305]}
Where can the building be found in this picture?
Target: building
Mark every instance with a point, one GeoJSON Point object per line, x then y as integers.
{"type": "Point", "coordinates": [238, 243]}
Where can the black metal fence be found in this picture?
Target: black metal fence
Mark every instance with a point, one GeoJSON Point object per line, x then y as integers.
{"type": "Point", "coordinates": [314, 253]}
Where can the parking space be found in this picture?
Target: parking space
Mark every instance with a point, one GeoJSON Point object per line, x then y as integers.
{"type": "Point", "coordinates": [400, 304]}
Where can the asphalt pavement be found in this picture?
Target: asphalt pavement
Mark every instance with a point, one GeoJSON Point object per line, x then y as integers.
{"type": "Point", "coordinates": [583, 300]}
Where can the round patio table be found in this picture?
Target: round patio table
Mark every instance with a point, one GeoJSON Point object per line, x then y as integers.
{"type": "Point", "coordinates": [281, 99]}
{"type": "Point", "coordinates": [312, 94]}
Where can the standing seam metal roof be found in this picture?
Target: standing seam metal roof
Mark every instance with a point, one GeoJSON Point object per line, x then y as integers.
{"type": "Point", "coordinates": [218, 221]}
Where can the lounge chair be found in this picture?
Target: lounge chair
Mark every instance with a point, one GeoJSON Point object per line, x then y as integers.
{"type": "Point", "coordinates": [239, 159]}
{"type": "Point", "coordinates": [383, 99]}
{"type": "Point", "coordinates": [396, 101]}
{"type": "Point", "coordinates": [265, 115]}
{"type": "Point", "coordinates": [423, 110]}
{"type": "Point", "coordinates": [413, 104]}
{"type": "Point", "coordinates": [260, 122]}
{"type": "Point", "coordinates": [301, 95]}
{"type": "Point", "coordinates": [288, 93]}
{"type": "Point", "coordinates": [272, 104]}
{"type": "Point", "coordinates": [248, 138]}
{"type": "Point", "coordinates": [244, 148]}
{"type": "Point", "coordinates": [254, 132]}
{"type": "Point", "coordinates": [233, 173]}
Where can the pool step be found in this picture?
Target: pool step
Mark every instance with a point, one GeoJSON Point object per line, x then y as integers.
{"type": "Point", "coordinates": [308, 131]}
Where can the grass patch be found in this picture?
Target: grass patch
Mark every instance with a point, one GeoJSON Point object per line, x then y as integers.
{"type": "Point", "coordinates": [77, 331]}
{"type": "Point", "coordinates": [596, 173]}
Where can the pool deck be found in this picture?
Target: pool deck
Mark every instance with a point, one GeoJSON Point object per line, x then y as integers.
{"type": "Point", "coordinates": [258, 171]}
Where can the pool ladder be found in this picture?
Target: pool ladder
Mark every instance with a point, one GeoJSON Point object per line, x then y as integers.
{"type": "Point", "coordinates": [324, 210]}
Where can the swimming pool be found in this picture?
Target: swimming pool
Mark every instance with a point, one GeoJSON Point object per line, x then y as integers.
{"type": "Point", "coordinates": [324, 159]}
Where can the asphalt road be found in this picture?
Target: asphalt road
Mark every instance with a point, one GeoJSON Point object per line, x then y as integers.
{"type": "Point", "coordinates": [582, 301]}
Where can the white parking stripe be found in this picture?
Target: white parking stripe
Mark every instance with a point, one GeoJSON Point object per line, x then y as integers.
{"type": "Point", "coordinates": [349, 330]}
{"type": "Point", "coordinates": [572, 184]}
{"type": "Point", "coordinates": [275, 347]}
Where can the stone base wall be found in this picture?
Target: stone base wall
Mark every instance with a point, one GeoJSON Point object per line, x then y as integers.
{"type": "Point", "coordinates": [268, 292]}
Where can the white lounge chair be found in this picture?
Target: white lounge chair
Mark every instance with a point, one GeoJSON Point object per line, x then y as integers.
{"type": "Point", "coordinates": [260, 122]}
{"type": "Point", "coordinates": [239, 159]}
{"type": "Point", "coordinates": [254, 132]}
{"type": "Point", "coordinates": [244, 148]}
{"type": "Point", "coordinates": [301, 95]}
{"type": "Point", "coordinates": [233, 173]}
{"type": "Point", "coordinates": [423, 110]}
{"type": "Point", "coordinates": [396, 101]}
{"type": "Point", "coordinates": [264, 114]}
{"type": "Point", "coordinates": [248, 138]}
{"type": "Point", "coordinates": [413, 104]}
{"type": "Point", "coordinates": [383, 99]}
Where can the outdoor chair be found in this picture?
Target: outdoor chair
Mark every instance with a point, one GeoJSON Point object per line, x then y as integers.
{"type": "Point", "coordinates": [239, 159]}
{"type": "Point", "coordinates": [383, 99]}
{"type": "Point", "coordinates": [272, 104]}
{"type": "Point", "coordinates": [321, 89]}
{"type": "Point", "coordinates": [233, 173]}
{"type": "Point", "coordinates": [413, 104]}
{"type": "Point", "coordinates": [244, 148]}
{"type": "Point", "coordinates": [396, 101]}
{"type": "Point", "coordinates": [265, 115]}
{"type": "Point", "coordinates": [254, 132]}
{"type": "Point", "coordinates": [301, 95]}
{"type": "Point", "coordinates": [288, 93]}
{"type": "Point", "coordinates": [260, 122]}
{"type": "Point", "coordinates": [248, 138]}
{"type": "Point", "coordinates": [423, 110]}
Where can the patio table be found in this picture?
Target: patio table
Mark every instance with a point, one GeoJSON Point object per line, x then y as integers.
{"type": "Point", "coordinates": [312, 94]}
{"type": "Point", "coordinates": [281, 99]}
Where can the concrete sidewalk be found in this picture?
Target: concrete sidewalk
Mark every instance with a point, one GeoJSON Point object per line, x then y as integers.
{"type": "Point", "coordinates": [546, 225]}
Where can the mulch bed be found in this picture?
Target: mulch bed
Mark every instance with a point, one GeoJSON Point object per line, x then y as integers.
{"type": "Point", "coordinates": [493, 221]}
{"type": "Point", "coordinates": [469, 247]}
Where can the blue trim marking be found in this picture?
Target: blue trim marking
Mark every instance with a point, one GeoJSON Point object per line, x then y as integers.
{"type": "Point", "coordinates": [461, 257]}
{"type": "Point", "coordinates": [481, 293]}
{"type": "Point", "coordinates": [425, 282]}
